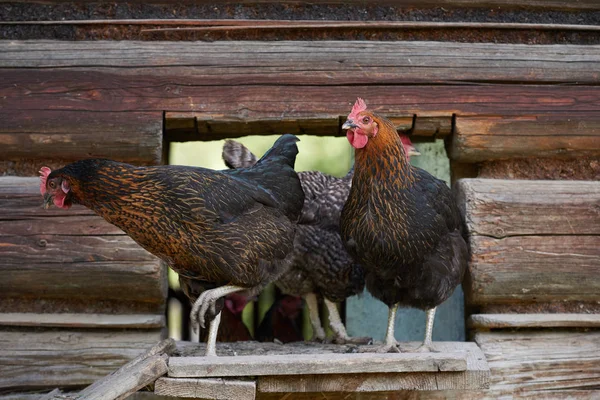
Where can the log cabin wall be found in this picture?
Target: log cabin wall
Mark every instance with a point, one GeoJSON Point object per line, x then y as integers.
{"type": "Point", "coordinates": [123, 79]}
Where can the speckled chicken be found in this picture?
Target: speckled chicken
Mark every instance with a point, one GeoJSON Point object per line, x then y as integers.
{"type": "Point", "coordinates": [321, 266]}
{"type": "Point", "coordinates": [222, 231]}
{"type": "Point", "coordinates": [400, 223]}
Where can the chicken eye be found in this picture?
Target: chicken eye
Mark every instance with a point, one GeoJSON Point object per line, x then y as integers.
{"type": "Point", "coordinates": [366, 120]}
{"type": "Point", "coordinates": [52, 184]}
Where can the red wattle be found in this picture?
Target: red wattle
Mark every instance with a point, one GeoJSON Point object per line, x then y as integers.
{"type": "Point", "coordinates": [357, 141]}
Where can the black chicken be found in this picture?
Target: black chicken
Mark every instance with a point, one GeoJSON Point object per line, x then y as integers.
{"type": "Point", "coordinates": [321, 265]}
{"type": "Point", "coordinates": [400, 223]}
{"type": "Point", "coordinates": [222, 231]}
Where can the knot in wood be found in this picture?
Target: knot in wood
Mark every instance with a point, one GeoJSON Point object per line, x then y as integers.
{"type": "Point", "coordinates": [43, 243]}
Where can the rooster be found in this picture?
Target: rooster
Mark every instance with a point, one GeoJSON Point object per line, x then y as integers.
{"type": "Point", "coordinates": [222, 231]}
{"type": "Point", "coordinates": [321, 265]}
{"type": "Point", "coordinates": [400, 223]}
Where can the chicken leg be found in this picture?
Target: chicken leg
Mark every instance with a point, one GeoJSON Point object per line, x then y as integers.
{"type": "Point", "coordinates": [207, 299]}
{"type": "Point", "coordinates": [341, 336]}
{"type": "Point", "coordinates": [390, 345]}
{"type": "Point", "coordinates": [313, 312]}
{"type": "Point", "coordinates": [426, 346]}
{"type": "Point", "coordinates": [211, 342]}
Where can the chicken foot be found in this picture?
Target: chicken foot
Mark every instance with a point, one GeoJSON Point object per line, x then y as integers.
{"type": "Point", "coordinates": [207, 299]}
{"type": "Point", "coordinates": [335, 321]}
{"type": "Point", "coordinates": [427, 343]}
{"type": "Point", "coordinates": [313, 312]}
{"type": "Point", "coordinates": [390, 345]}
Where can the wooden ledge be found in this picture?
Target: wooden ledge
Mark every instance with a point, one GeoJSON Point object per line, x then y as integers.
{"type": "Point", "coordinates": [309, 367]}
{"type": "Point", "coordinates": [500, 321]}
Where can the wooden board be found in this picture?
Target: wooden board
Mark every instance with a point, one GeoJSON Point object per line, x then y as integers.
{"type": "Point", "coordinates": [70, 254]}
{"type": "Point", "coordinates": [510, 321]}
{"type": "Point", "coordinates": [476, 375]}
{"type": "Point", "coordinates": [216, 388]}
{"type": "Point", "coordinates": [545, 361]}
{"type": "Point", "coordinates": [303, 364]}
{"type": "Point", "coordinates": [66, 357]}
{"type": "Point", "coordinates": [531, 241]}
{"type": "Point", "coordinates": [483, 138]}
{"type": "Point", "coordinates": [210, 90]}
{"type": "Point", "coordinates": [66, 320]}
{"type": "Point", "coordinates": [134, 137]}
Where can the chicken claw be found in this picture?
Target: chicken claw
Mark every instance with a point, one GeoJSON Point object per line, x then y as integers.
{"type": "Point", "coordinates": [207, 299]}
{"type": "Point", "coordinates": [313, 312]}
{"type": "Point", "coordinates": [341, 336]}
{"type": "Point", "coordinates": [426, 347]}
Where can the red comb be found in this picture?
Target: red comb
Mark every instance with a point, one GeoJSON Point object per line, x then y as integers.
{"type": "Point", "coordinates": [44, 172]}
{"type": "Point", "coordinates": [358, 107]}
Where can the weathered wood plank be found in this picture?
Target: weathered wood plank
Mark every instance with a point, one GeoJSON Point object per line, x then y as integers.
{"type": "Point", "coordinates": [238, 88]}
{"type": "Point", "coordinates": [532, 241]}
{"type": "Point", "coordinates": [534, 269]}
{"type": "Point", "coordinates": [66, 357]}
{"type": "Point", "coordinates": [136, 374]}
{"type": "Point", "coordinates": [510, 321]}
{"type": "Point", "coordinates": [495, 137]}
{"type": "Point", "coordinates": [499, 208]}
{"type": "Point", "coordinates": [476, 376]}
{"type": "Point", "coordinates": [69, 254]}
{"type": "Point", "coordinates": [549, 361]}
{"type": "Point", "coordinates": [217, 389]}
{"type": "Point", "coordinates": [315, 62]}
{"type": "Point", "coordinates": [66, 320]}
{"type": "Point", "coordinates": [303, 364]}
{"type": "Point", "coordinates": [69, 135]}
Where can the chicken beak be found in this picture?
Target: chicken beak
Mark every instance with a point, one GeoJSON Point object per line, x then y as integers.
{"type": "Point", "coordinates": [349, 124]}
{"type": "Point", "coordinates": [413, 152]}
{"type": "Point", "coordinates": [47, 200]}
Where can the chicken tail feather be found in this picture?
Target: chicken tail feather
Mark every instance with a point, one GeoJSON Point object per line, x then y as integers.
{"type": "Point", "coordinates": [236, 155]}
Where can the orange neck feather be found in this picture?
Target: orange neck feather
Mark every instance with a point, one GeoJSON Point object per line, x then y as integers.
{"type": "Point", "coordinates": [384, 154]}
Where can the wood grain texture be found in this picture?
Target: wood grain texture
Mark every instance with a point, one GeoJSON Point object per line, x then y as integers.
{"type": "Point", "coordinates": [476, 376]}
{"type": "Point", "coordinates": [303, 364]}
{"type": "Point", "coordinates": [510, 321]}
{"type": "Point", "coordinates": [484, 138]}
{"type": "Point", "coordinates": [70, 254]}
{"type": "Point", "coordinates": [210, 90]}
{"type": "Point", "coordinates": [66, 320]}
{"type": "Point", "coordinates": [531, 241]}
{"type": "Point", "coordinates": [66, 357]}
{"type": "Point", "coordinates": [136, 374]}
{"type": "Point", "coordinates": [134, 137]}
{"type": "Point", "coordinates": [217, 389]}
{"type": "Point", "coordinates": [545, 361]}
{"type": "Point", "coordinates": [534, 269]}
{"type": "Point", "coordinates": [500, 208]}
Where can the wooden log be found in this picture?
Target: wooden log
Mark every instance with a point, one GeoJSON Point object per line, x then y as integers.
{"type": "Point", "coordinates": [309, 62]}
{"type": "Point", "coordinates": [217, 389]}
{"type": "Point", "coordinates": [136, 374]}
{"type": "Point", "coordinates": [70, 254]}
{"type": "Point", "coordinates": [303, 87]}
{"type": "Point", "coordinates": [534, 269]}
{"type": "Point", "coordinates": [303, 364]}
{"type": "Point", "coordinates": [501, 208]}
{"type": "Point", "coordinates": [510, 321]}
{"type": "Point", "coordinates": [66, 358]}
{"type": "Point", "coordinates": [545, 362]}
{"type": "Point", "coordinates": [531, 241]}
{"type": "Point", "coordinates": [65, 320]}
{"type": "Point", "coordinates": [134, 137]}
{"type": "Point", "coordinates": [483, 138]}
